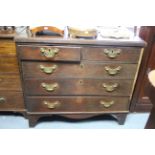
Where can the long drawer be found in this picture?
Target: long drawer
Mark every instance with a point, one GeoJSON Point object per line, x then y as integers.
{"type": "Point", "coordinates": [78, 87]}
{"type": "Point", "coordinates": [121, 54]}
{"type": "Point", "coordinates": [10, 82]}
{"type": "Point", "coordinates": [81, 104]}
{"type": "Point", "coordinates": [11, 100]}
{"type": "Point", "coordinates": [83, 70]}
{"type": "Point", "coordinates": [50, 53]}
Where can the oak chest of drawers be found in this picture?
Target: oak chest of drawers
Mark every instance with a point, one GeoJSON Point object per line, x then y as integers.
{"type": "Point", "coordinates": [11, 95]}
{"type": "Point", "coordinates": [78, 78]}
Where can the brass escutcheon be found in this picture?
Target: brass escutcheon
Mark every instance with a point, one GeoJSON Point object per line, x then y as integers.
{"type": "Point", "coordinates": [49, 87]}
{"type": "Point", "coordinates": [48, 70]}
{"type": "Point", "coordinates": [112, 53]}
{"type": "Point", "coordinates": [2, 100]}
{"type": "Point", "coordinates": [110, 87]}
{"type": "Point", "coordinates": [107, 104]}
{"type": "Point", "coordinates": [49, 52]}
{"type": "Point", "coordinates": [113, 71]}
{"type": "Point", "coordinates": [52, 105]}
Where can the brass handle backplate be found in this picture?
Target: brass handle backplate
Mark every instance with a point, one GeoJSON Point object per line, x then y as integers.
{"type": "Point", "coordinates": [107, 104]}
{"type": "Point", "coordinates": [48, 70]}
{"type": "Point", "coordinates": [2, 100]}
{"type": "Point", "coordinates": [49, 52]}
{"type": "Point", "coordinates": [110, 87]}
{"type": "Point", "coordinates": [52, 105]}
{"type": "Point", "coordinates": [113, 71]}
{"type": "Point", "coordinates": [49, 87]}
{"type": "Point", "coordinates": [112, 53]}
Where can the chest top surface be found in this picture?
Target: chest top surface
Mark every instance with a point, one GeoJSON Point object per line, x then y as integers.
{"type": "Point", "coordinates": [133, 41]}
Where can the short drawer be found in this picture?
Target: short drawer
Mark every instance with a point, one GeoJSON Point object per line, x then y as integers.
{"type": "Point", "coordinates": [11, 100]}
{"type": "Point", "coordinates": [78, 87]}
{"type": "Point", "coordinates": [81, 104]}
{"type": "Point", "coordinates": [83, 70]}
{"type": "Point", "coordinates": [10, 82]}
{"type": "Point", "coordinates": [9, 65]}
{"type": "Point", "coordinates": [122, 54]}
{"type": "Point", "coordinates": [53, 53]}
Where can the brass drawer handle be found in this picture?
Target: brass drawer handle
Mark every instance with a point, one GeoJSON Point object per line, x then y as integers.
{"type": "Point", "coordinates": [52, 105]}
{"type": "Point", "coordinates": [107, 104]}
{"type": "Point", "coordinates": [113, 71]}
{"type": "Point", "coordinates": [49, 87]}
{"type": "Point", "coordinates": [2, 100]}
{"type": "Point", "coordinates": [49, 52]}
{"type": "Point", "coordinates": [48, 70]}
{"type": "Point", "coordinates": [110, 87]}
{"type": "Point", "coordinates": [112, 53]}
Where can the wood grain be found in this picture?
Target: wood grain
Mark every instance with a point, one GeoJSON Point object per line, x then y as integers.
{"type": "Point", "coordinates": [82, 70]}
{"type": "Point", "coordinates": [81, 104]}
{"type": "Point", "coordinates": [32, 52]}
{"type": "Point", "coordinates": [127, 55]}
{"type": "Point", "coordinates": [13, 101]}
{"type": "Point", "coordinates": [77, 87]}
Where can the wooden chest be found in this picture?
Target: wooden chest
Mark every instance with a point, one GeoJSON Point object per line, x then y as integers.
{"type": "Point", "coordinates": [11, 96]}
{"type": "Point", "coordinates": [78, 78]}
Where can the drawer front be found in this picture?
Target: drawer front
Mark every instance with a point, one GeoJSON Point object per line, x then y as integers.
{"type": "Point", "coordinates": [10, 82]}
{"type": "Point", "coordinates": [9, 65]}
{"type": "Point", "coordinates": [53, 53]}
{"type": "Point", "coordinates": [7, 48]}
{"type": "Point", "coordinates": [83, 70]}
{"type": "Point", "coordinates": [79, 104]}
{"type": "Point", "coordinates": [78, 87]}
{"type": "Point", "coordinates": [111, 54]}
{"type": "Point", "coordinates": [11, 100]}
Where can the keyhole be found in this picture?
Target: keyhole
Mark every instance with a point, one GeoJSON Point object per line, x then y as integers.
{"type": "Point", "coordinates": [82, 65]}
{"type": "Point", "coordinates": [81, 82]}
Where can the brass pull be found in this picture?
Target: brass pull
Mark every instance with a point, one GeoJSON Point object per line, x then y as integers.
{"type": "Point", "coordinates": [48, 70]}
{"type": "Point", "coordinates": [112, 53]}
{"type": "Point", "coordinates": [49, 52]}
{"type": "Point", "coordinates": [52, 105]}
{"type": "Point", "coordinates": [110, 87]}
{"type": "Point", "coordinates": [2, 100]}
{"type": "Point", "coordinates": [113, 71]}
{"type": "Point", "coordinates": [107, 104]}
{"type": "Point", "coordinates": [49, 87]}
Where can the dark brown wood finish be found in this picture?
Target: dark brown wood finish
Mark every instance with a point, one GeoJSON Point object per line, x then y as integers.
{"type": "Point", "coordinates": [11, 101]}
{"type": "Point", "coordinates": [10, 82]}
{"type": "Point", "coordinates": [127, 55]}
{"type": "Point", "coordinates": [140, 99]}
{"type": "Point", "coordinates": [11, 95]}
{"type": "Point", "coordinates": [78, 87]}
{"type": "Point", "coordinates": [79, 80]}
{"type": "Point", "coordinates": [33, 119]}
{"type": "Point", "coordinates": [79, 105]}
{"type": "Point", "coordinates": [32, 52]}
{"type": "Point", "coordinates": [78, 70]}
{"type": "Point", "coordinates": [131, 42]}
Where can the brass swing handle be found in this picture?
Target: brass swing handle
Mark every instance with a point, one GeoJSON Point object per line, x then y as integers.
{"type": "Point", "coordinates": [107, 104]}
{"type": "Point", "coordinates": [49, 87]}
{"type": "Point", "coordinates": [113, 71]}
{"type": "Point", "coordinates": [52, 105]}
{"type": "Point", "coordinates": [112, 53]}
{"type": "Point", "coordinates": [49, 52]}
{"type": "Point", "coordinates": [2, 100]}
{"type": "Point", "coordinates": [48, 70]}
{"type": "Point", "coordinates": [110, 87]}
